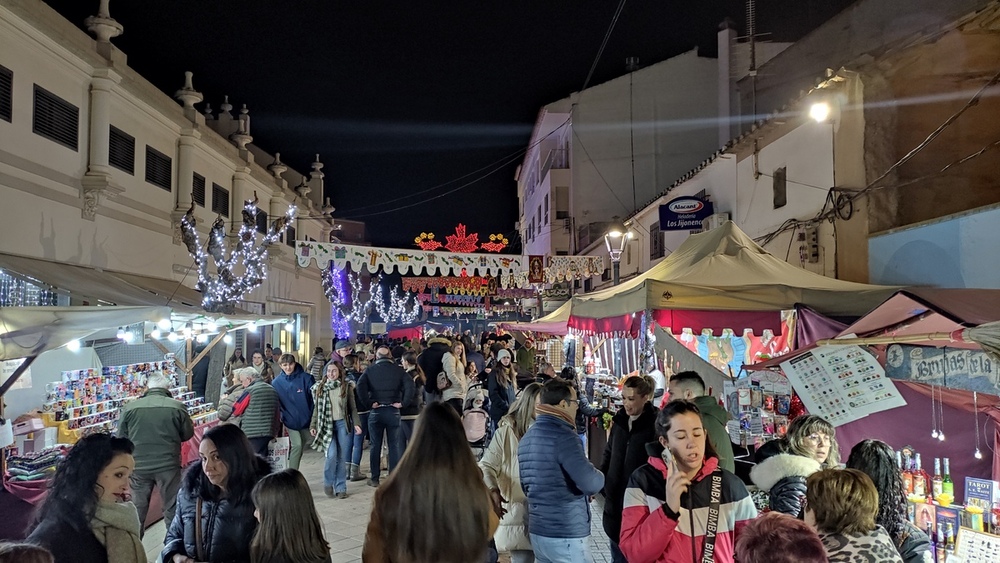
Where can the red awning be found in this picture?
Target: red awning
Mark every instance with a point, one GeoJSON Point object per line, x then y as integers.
{"type": "Point", "coordinates": [678, 320]}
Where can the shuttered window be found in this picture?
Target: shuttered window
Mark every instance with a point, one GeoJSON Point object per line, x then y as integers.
{"type": "Point", "coordinates": [220, 200]}
{"type": "Point", "coordinates": [290, 237]}
{"type": "Point", "coordinates": [55, 119]}
{"type": "Point", "coordinates": [262, 222]}
{"type": "Point", "coordinates": [6, 94]}
{"type": "Point", "coordinates": [198, 189]}
{"type": "Point", "coordinates": [121, 150]}
{"type": "Point", "coordinates": [158, 170]}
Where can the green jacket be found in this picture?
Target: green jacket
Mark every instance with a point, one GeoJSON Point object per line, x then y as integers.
{"type": "Point", "coordinates": [157, 424]}
{"type": "Point", "coordinates": [525, 359]}
{"type": "Point", "coordinates": [714, 417]}
{"type": "Point", "coordinates": [260, 419]}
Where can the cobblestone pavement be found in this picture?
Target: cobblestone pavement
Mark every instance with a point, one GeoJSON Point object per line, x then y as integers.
{"type": "Point", "coordinates": [345, 520]}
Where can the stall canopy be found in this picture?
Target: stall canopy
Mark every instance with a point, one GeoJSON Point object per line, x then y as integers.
{"type": "Point", "coordinates": [722, 270]}
{"type": "Point", "coordinates": [553, 323]}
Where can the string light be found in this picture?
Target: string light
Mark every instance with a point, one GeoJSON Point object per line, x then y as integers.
{"type": "Point", "coordinates": [164, 324]}
{"type": "Point", "coordinates": [402, 308]}
{"type": "Point", "coordinates": [155, 333]}
{"type": "Point", "coordinates": [227, 339]}
{"type": "Point", "coordinates": [221, 292]}
{"type": "Point", "coordinates": [975, 411]}
{"type": "Point", "coordinates": [73, 345]}
{"type": "Point", "coordinates": [121, 334]}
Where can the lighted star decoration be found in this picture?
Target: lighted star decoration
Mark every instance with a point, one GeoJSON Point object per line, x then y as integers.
{"type": "Point", "coordinates": [239, 270]}
{"type": "Point", "coordinates": [497, 243]}
{"type": "Point", "coordinates": [460, 242]}
{"type": "Point", "coordinates": [426, 242]}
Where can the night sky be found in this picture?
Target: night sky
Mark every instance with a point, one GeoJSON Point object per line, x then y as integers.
{"type": "Point", "coordinates": [405, 101]}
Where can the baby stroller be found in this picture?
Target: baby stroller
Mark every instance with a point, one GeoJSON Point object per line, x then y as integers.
{"type": "Point", "coordinates": [476, 420]}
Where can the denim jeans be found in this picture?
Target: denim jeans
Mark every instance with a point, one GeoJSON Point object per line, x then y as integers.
{"type": "Point", "coordinates": [522, 556]}
{"type": "Point", "coordinates": [561, 550]}
{"type": "Point", "coordinates": [335, 470]}
{"type": "Point", "coordinates": [359, 440]}
{"type": "Point", "coordinates": [616, 553]}
{"type": "Point", "coordinates": [406, 428]}
{"type": "Point", "coordinates": [384, 419]}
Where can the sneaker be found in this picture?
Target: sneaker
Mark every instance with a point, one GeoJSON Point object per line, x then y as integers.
{"type": "Point", "coordinates": [372, 483]}
{"type": "Point", "coordinates": [342, 494]}
{"type": "Point", "coordinates": [328, 490]}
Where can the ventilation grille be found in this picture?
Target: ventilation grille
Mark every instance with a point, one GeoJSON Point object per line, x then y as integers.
{"type": "Point", "coordinates": [158, 170]}
{"type": "Point", "coordinates": [121, 150]}
{"type": "Point", "coordinates": [56, 119]}
{"type": "Point", "coordinates": [198, 189]}
{"type": "Point", "coordinates": [220, 200]}
{"type": "Point", "coordinates": [6, 94]}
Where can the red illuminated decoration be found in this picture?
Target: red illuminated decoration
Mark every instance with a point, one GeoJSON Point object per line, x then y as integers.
{"type": "Point", "coordinates": [426, 242]}
{"type": "Point", "coordinates": [460, 242]}
{"type": "Point", "coordinates": [497, 243]}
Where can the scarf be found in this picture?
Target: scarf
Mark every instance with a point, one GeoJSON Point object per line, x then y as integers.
{"type": "Point", "coordinates": [324, 392]}
{"type": "Point", "coordinates": [259, 369]}
{"type": "Point", "coordinates": [555, 411]}
{"type": "Point", "coordinates": [116, 525]}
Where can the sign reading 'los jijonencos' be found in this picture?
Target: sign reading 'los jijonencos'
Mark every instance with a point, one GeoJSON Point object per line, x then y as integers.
{"type": "Point", "coordinates": [684, 213]}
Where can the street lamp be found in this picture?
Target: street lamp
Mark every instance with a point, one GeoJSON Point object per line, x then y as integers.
{"type": "Point", "coordinates": [615, 239]}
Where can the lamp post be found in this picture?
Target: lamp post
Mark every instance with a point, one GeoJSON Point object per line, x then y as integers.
{"type": "Point", "coordinates": [615, 240]}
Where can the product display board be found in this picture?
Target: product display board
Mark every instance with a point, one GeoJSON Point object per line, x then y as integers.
{"type": "Point", "coordinates": [842, 383]}
{"type": "Point", "coordinates": [758, 406]}
{"type": "Point", "coordinates": [976, 547]}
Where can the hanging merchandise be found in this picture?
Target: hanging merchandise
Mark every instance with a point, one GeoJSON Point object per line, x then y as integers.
{"type": "Point", "coordinates": [240, 270]}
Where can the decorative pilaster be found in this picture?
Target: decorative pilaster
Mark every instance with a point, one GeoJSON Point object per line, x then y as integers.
{"type": "Point", "coordinates": [96, 182]}
{"type": "Point", "coordinates": [185, 179]}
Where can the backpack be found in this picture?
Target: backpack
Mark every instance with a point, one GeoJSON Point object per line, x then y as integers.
{"type": "Point", "coordinates": [442, 381]}
{"type": "Point", "coordinates": [476, 422]}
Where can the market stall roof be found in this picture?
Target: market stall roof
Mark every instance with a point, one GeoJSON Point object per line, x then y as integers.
{"type": "Point", "coordinates": [553, 323]}
{"type": "Point", "coordinates": [725, 270]}
{"type": "Point", "coordinates": [29, 331]}
{"type": "Point", "coordinates": [917, 311]}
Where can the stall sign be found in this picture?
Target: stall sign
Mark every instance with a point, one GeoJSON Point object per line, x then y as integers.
{"type": "Point", "coordinates": [7, 369]}
{"type": "Point", "coordinates": [958, 368]}
{"type": "Point", "coordinates": [684, 213]}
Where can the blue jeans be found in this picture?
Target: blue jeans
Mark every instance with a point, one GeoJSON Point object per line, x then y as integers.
{"type": "Point", "coordinates": [384, 419]}
{"type": "Point", "coordinates": [335, 470]}
{"type": "Point", "coordinates": [359, 440]}
{"type": "Point", "coordinates": [407, 431]}
{"type": "Point", "coordinates": [616, 553]}
{"type": "Point", "coordinates": [560, 550]}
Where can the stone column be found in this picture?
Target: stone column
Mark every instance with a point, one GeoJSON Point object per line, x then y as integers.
{"type": "Point", "coordinates": [97, 181]}
{"type": "Point", "coordinates": [183, 197]}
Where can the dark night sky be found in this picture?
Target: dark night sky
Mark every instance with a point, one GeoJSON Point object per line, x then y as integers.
{"type": "Point", "coordinates": [398, 97]}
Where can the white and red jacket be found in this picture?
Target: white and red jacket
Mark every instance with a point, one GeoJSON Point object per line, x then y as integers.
{"type": "Point", "coordinates": [652, 533]}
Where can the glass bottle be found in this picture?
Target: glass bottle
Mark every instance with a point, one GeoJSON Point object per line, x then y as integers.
{"type": "Point", "coordinates": [937, 482]}
{"type": "Point", "coordinates": [907, 478]}
{"type": "Point", "coordinates": [919, 481]}
{"type": "Point", "coordinates": [947, 484]}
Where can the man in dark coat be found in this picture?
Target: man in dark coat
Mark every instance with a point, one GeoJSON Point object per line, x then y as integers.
{"type": "Point", "coordinates": [385, 388]}
{"type": "Point", "coordinates": [430, 361]}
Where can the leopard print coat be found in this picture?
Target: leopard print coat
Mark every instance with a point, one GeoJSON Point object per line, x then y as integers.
{"type": "Point", "coordinates": [873, 547]}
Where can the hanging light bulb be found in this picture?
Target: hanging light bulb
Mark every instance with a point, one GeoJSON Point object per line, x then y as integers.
{"type": "Point", "coordinates": [978, 454]}
{"type": "Point", "coordinates": [227, 339]}
{"type": "Point", "coordinates": [252, 326]}
{"type": "Point", "coordinates": [121, 334]}
{"type": "Point", "coordinates": [289, 326]}
{"type": "Point", "coordinates": [73, 345]}
{"type": "Point", "coordinates": [155, 333]}
{"type": "Point", "coordinates": [172, 336]}
{"type": "Point", "coordinates": [128, 337]}
{"type": "Point", "coordinates": [212, 326]}
{"type": "Point", "coordinates": [164, 324]}
{"type": "Point", "coordinates": [975, 412]}
{"type": "Point", "coordinates": [202, 338]}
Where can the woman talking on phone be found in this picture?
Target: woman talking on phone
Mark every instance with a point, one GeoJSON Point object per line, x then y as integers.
{"type": "Point", "coordinates": [683, 476]}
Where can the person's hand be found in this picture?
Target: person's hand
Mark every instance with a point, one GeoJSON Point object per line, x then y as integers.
{"type": "Point", "coordinates": [498, 502]}
{"type": "Point", "coordinates": [312, 432]}
{"type": "Point", "coordinates": [677, 484]}
{"type": "Point", "coordinates": [398, 405]}
{"type": "Point", "coordinates": [181, 558]}
{"type": "Point", "coordinates": [357, 430]}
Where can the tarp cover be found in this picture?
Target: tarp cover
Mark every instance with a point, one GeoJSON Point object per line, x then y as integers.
{"type": "Point", "coordinates": [725, 270]}
{"type": "Point", "coordinates": [29, 331]}
{"type": "Point", "coordinates": [553, 323]}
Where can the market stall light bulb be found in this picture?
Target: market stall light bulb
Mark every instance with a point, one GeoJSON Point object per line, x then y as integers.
{"type": "Point", "coordinates": [227, 339]}
{"type": "Point", "coordinates": [164, 324]}
{"type": "Point", "coordinates": [128, 337]}
{"type": "Point", "coordinates": [212, 327]}
{"type": "Point", "coordinates": [820, 111]}
{"type": "Point", "coordinates": [172, 336]}
{"type": "Point", "coordinates": [202, 338]}
{"type": "Point", "coordinates": [252, 327]}
{"type": "Point", "coordinates": [120, 335]}
{"type": "Point", "coordinates": [289, 327]}
{"type": "Point", "coordinates": [74, 345]}
{"type": "Point", "coordinates": [155, 333]}
{"type": "Point", "coordinates": [978, 454]}
{"type": "Point", "coordinates": [941, 436]}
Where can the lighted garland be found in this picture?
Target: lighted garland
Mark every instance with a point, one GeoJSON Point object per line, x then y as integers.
{"type": "Point", "coordinates": [403, 307]}
{"type": "Point", "coordinates": [333, 287]}
{"type": "Point", "coordinates": [221, 292]}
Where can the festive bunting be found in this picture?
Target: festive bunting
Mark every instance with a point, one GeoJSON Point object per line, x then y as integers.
{"type": "Point", "coordinates": [569, 268]}
{"type": "Point", "coordinates": [405, 261]}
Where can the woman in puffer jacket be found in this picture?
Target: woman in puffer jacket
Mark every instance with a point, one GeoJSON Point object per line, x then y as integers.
{"type": "Point", "coordinates": [784, 465]}
{"type": "Point", "coordinates": [453, 363]}
{"type": "Point", "coordinates": [217, 489]}
{"type": "Point", "coordinates": [503, 479]}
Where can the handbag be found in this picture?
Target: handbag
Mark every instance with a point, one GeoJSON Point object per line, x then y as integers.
{"type": "Point", "coordinates": [199, 550]}
{"type": "Point", "coordinates": [443, 382]}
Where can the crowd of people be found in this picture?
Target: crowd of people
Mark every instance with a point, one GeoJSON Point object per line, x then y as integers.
{"type": "Point", "coordinates": [666, 476]}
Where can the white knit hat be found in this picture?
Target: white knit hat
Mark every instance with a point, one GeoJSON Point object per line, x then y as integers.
{"type": "Point", "coordinates": [501, 353]}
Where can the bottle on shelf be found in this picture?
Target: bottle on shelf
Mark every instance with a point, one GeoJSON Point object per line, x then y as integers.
{"type": "Point", "coordinates": [919, 479]}
{"type": "Point", "coordinates": [937, 482]}
{"type": "Point", "coordinates": [933, 538]}
{"type": "Point", "coordinates": [947, 485]}
{"type": "Point", "coordinates": [907, 476]}
{"type": "Point", "coordinates": [949, 538]}
{"type": "Point", "coordinates": [940, 544]}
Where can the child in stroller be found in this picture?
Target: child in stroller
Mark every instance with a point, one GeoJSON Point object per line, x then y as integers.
{"type": "Point", "coordinates": [476, 419]}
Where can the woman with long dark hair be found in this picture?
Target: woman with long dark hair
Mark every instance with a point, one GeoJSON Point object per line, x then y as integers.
{"type": "Point", "coordinates": [501, 386]}
{"type": "Point", "coordinates": [877, 459]}
{"type": "Point", "coordinates": [289, 529]}
{"type": "Point", "coordinates": [334, 424]}
{"type": "Point", "coordinates": [85, 517]}
{"type": "Point", "coordinates": [236, 361]}
{"type": "Point", "coordinates": [214, 522]}
{"type": "Point", "coordinates": [414, 514]}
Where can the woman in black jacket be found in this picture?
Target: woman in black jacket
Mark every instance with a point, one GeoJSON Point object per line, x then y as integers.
{"type": "Point", "coordinates": [214, 504]}
{"type": "Point", "coordinates": [783, 465]}
{"type": "Point", "coordinates": [632, 428]}
{"type": "Point", "coordinates": [84, 518]}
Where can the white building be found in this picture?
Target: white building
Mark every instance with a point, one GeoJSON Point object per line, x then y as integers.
{"type": "Point", "coordinates": [97, 167]}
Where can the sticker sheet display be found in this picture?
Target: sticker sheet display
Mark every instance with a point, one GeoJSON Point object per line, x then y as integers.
{"type": "Point", "coordinates": [973, 546]}
{"type": "Point", "coordinates": [842, 383]}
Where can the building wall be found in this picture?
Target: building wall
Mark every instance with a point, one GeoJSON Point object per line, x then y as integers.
{"type": "Point", "coordinates": [41, 182]}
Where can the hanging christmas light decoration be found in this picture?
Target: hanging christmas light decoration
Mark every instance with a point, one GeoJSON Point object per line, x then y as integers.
{"type": "Point", "coordinates": [426, 242]}
{"type": "Point", "coordinates": [460, 242]}
{"type": "Point", "coordinates": [333, 287]}
{"type": "Point", "coordinates": [497, 243]}
{"type": "Point", "coordinates": [402, 307]}
{"type": "Point", "coordinates": [221, 292]}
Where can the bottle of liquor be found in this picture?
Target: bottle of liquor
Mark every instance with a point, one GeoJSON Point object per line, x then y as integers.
{"type": "Point", "coordinates": [933, 538]}
{"type": "Point", "coordinates": [949, 538]}
{"type": "Point", "coordinates": [937, 482]}
{"type": "Point", "coordinates": [919, 479]}
{"type": "Point", "coordinates": [947, 485]}
{"type": "Point", "coordinates": [907, 477]}
{"type": "Point", "coordinates": [940, 544]}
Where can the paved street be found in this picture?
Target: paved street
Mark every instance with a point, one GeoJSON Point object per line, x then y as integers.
{"type": "Point", "coordinates": [345, 520]}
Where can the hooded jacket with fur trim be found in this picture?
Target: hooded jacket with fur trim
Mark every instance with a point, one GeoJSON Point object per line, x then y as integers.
{"type": "Point", "coordinates": [783, 476]}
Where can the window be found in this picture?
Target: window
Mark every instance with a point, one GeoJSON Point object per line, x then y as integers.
{"type": "Point", "coordinates": [588, 285]}
{"type": "Point", "coordinates": [55, 119]}
{"type": "Point", "coordinates": [779, 187]}
{"type": "Point", "coordinates": [655, 241]}
{"type": "Point", "coordinates": [6, 94]}
{"type": "Point", "coordinates": [158, 168]}
{"type": "Point", "coordinates": [121, 150]}
{"type": "Point", "coordinates": [198, 189]}
{"type": "Point", "coordinates": [539, 215]}
{"type": "Point", "coordinates": [606, 274]}
{"type": "Point", "coordinates": [220, 200]}
{"type": "Point", "coordinates": [562, 253]}
{"type": "Point", "coordinates": [290, 237]}
{"type": "Point", "coordinates": [547, 209]}
{"type": "Point", "coordinates": [262, 222]}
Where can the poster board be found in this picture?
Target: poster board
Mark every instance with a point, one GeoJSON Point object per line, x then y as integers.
{"type": "Point", "coordinates": [973, 546]}
{"type": "Point", "coordinates": [842, 383]}
{"type": "Point", "coordinates": [7, 369]}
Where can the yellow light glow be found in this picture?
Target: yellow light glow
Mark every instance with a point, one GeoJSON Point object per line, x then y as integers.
{"type": "Point", "coordinates": [820, 112]}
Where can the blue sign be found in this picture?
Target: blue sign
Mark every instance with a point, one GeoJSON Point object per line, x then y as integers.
{"type": "Point", "coordinates": [684, 213]}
